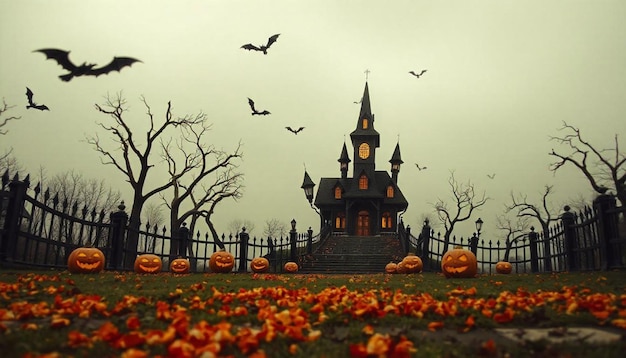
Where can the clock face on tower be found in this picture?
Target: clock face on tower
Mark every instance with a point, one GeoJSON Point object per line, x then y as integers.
{"type": "Point", "coordinates": [364, 151]}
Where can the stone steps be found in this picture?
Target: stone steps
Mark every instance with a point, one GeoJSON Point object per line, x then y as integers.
{"type": "Point", "coordinates": [353, 254]}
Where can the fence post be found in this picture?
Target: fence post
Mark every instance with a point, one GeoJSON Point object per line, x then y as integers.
{"type": "Point", "coordinates": [309, 241]}
{"type": "Point", "coordinates": [14, 211]}
{"type": "Point", "coordinates": [568, 219]}
{"type": "Point", "coordinates": [607, 226]}
{"type": "Point", "coordinates": [293, 237]}
{"type": "Point", "coordinates": [244, 237]}
{"type": "Point", "coordinates": [407, 239]}
{"type": "Point", "coordinates": [425, 234]}
{"type": "Point", "coordinates": [473, 244]}
{"type": "Point", "coordinates": [183, 237]}
{"type": "Point", "coordinates": [119, 220]}
{"type": "Point", "coordinates": [534, 252]}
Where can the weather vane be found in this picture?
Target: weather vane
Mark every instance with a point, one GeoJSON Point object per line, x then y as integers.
{"type": "Point", "coordinates": [367, 74]}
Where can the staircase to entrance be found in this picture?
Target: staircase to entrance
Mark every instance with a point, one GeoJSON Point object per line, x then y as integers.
{"type": "Point", "coordinates": [353, 254]}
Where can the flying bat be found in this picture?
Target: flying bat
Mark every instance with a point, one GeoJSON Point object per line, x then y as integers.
{"type": "Point", "coordinates": [418, 75]}
{"type": "Point", "coordinates": [31, 104]}
{"type": "Point", "coordinates": [420, 168]}
{"type": "Point", "coordinates": [254, 111]}
{"type": "Point", "coordinates": [491, 176]}
{"type": "Point", "coordinates": [86, 69]}
{"type": "Point", "coordinates": [294, 131]}
{"type": "Point", "coordinates": [262, 48]}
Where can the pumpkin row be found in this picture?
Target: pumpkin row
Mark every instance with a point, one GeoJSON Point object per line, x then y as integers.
{"type": "Point", "coordinates": [91, 260]}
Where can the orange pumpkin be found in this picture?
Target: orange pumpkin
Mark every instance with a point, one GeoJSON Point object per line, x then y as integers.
{"type": "Point", "coordinates": [459, 263]}
{"type": "Point", "coordinates": [148, 263]}
{"type": "Point", "coordinates": [400, 268]}
{"type": "Point", "coordinates": [504, 267]}
{"type": "Point", "coordinates": [85, 260]}
{"type": "Point", "coordinates": [413, 263]}
{"type": "Point", "coordinates": [291, 267]}
{"type": "Point", "coordinates": [180, 266]}
{"type": "Point", "coordinates": [391, 267]}
{"type": "Point", "coordinates": [222, 262]}
{"type": "Point", "coordinates": [260, 264]}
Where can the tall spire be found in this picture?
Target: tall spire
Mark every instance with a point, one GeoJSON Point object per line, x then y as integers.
{"type": "Point", "coordinates": [344, 159]}
{"type": "Point", "coordinates": [366, 110]}
{"type": "Point", "coordinates": [395, 161]}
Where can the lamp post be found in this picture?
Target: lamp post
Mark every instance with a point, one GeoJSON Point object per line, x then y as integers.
{"type": "Point", "coordinates": [476, 236]}
{"type": "Point", "coordinates": [307, 186]}
{"type": "Point", "coordinates": [293, 236]}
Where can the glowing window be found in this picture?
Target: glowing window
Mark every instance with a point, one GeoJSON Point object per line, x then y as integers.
{"type": "Point", "coordinates": [364, 123]}
{"type": "Point", "coordinates": [337, 192]}
{"type": "Point", "coordinates": [363, 182]}
{"type": "Point", "coordinates": [340, 221]}
{"type": "Point", "coordinates": [386, 222]}
{"type": "Point", "coordinates": [390, 191]}
{"type": "Point", "coordinates": [364, 151]}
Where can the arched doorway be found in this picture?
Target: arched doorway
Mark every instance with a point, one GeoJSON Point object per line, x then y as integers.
{"type": "Point", "coordinates": [363, 223]}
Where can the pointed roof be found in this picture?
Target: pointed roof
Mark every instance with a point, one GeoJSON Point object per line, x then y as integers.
{"type": "Point", "coordinates": [396, 158]}
{"type": "Point", "coordinates": [344, 158]}
{"type": "Point", "coordinates": [365, 113]}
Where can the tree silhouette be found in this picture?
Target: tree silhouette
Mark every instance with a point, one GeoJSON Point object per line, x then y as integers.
{"type": "Point", "coordinates": [605, 169]}
{"type": "Point", "coordinates": [4, 120]}
{"type": "Point", "coordinates": [135, 156]}
{"type": "Point", "coordinates": [466, 200]}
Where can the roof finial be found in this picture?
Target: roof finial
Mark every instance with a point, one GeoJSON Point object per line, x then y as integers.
{"type": "Point", "coordinates": [367, 74]}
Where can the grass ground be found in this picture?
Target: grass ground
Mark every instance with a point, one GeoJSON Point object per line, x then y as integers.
{"type": "Point", "coordinates": [55, 313]}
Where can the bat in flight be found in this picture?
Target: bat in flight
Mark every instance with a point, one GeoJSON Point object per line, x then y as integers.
{"type": "Point", "coordinates": [418, 75]}
{"type": "Point", "coordinates": [31, 104]}
{"type": "Point", "coordinates": [262, 48]}
{"type": "Point", "coordinates": [491, 176]}
{"type": "Point", "coordinates": [86, 69]}
{"type": "Point", "coordinates": [420, 168]}
{"type": "Point", "coordinates": [254, 111]}
{"type": "Point", "coordinates": [295, 131]}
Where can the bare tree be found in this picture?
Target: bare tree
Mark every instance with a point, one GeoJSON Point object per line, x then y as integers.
{"type": "Point", "coordinates": [605, 169]}
{"type": "Point", "coordinates": [4, 120]}
{"type": "Point", "coordinates": [153, 217]}
{"type": "Point", "coordinates": [543, 213]}
{"type": "Point", "coordinates": [466, 200]}
{"type": "Point", "coordinates": [514, 230]}
{"type": "Point", "coordinates": [274, 228]}
{"type": "Point", "coordinates": [92, 194]}
{"type": "Point", "coordinates": [235, 226]}
{"type": "Point", "coordinates": [211, 177]}
{"type": "Point", "coordinates": [134, 154]}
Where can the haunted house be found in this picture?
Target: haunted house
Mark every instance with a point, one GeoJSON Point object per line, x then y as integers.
{"type": "Point", "coordinates": [370, 202]}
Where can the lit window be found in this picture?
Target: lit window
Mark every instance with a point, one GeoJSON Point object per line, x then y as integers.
{"type": "Point", "coordinates": [363, 182]}
{"type": "Point", "coordinates": [365, 123]}
{"type": "Point", "coordinates": [340, 221]}
{"type": "Point", "coordinates": [337, 192]}
{"type": "Point", "coordinates": [390, 191]}
{"type": "Point", "coordinates": [364, 151]}
{"type": "Point", "coordinates": [386, 221]}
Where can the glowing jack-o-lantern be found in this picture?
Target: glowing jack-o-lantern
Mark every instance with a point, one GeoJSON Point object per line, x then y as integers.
{"type": "Point", "coordinates": [85, 260]}
{"type": "Point", "coordinates": [504, 267]}
{"type": "Point", "coordinates": [391, 267]}
{"type": "Point", "coordinates": [459, 263]}
{"type": "Point", "coordinates": [260, 265]}
{"type": "Point", "coordinates": [412, 263]}
{"type": "Point", "coordinates": [180, 266]}
{"type": "Point", "coordinates": [148, 263]}
{"type": "Point", "coordinates": [291, 267]}
{"type": "Point", "coordinates": [221, 262]}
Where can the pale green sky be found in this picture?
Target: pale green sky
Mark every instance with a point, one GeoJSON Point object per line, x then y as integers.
{"type": "Point", "coordinates": [502, 76]}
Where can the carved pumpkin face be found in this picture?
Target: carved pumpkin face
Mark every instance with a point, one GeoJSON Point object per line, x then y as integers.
{"type": "Point", "coordinates": [260, 264]}
{"type": "Point", "coordinates": [400, 268]}
{"type": "Point", "coordinates": [413, 264]}
{"type": "Point", "coordinates": [504, 267]}
{"type": "Point", "coordinates": [180, 266]}
{"type": "Point", "coordinates": [391, 267]}
{"type": "Point", "coordinates": [459, 263]}
{"type": "Point", "coordinates": [291, 267]}
{"type": "Point", "coordinates": [148, 263]}
{"type": "Point", "coordinates": [85, 260]}
{"type": "Point", "coordinates": [221, 262]}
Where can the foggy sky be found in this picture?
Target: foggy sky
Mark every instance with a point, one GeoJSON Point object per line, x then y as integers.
{"type": "Point", "coordinates": [502, 77]}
